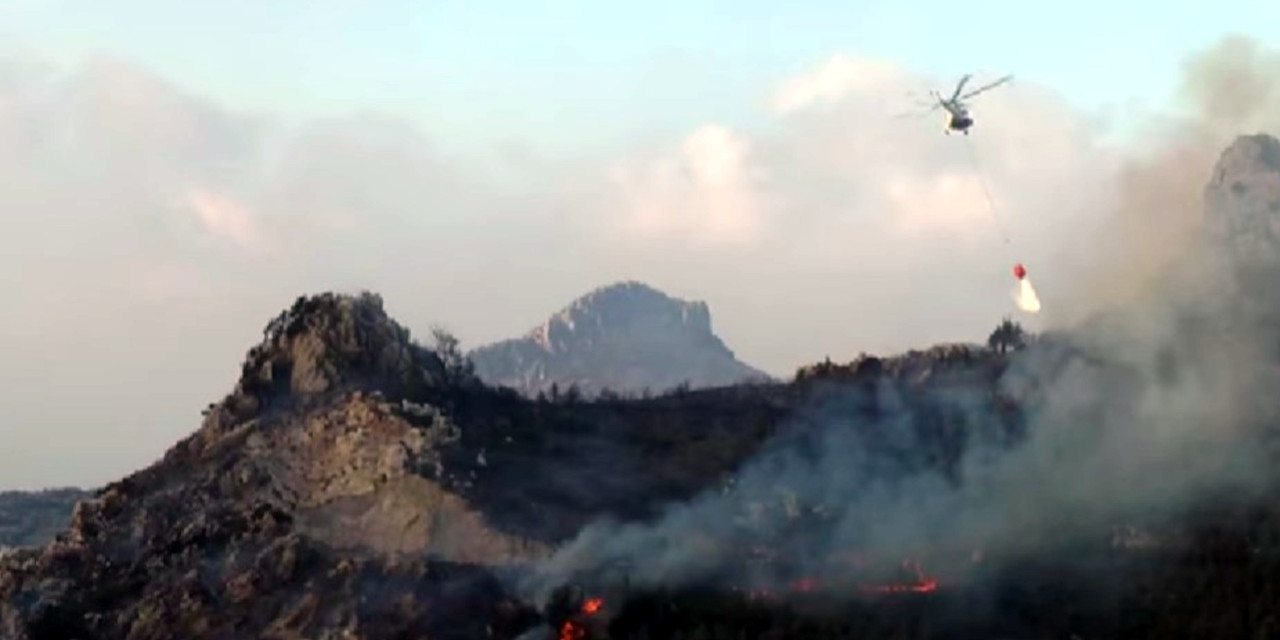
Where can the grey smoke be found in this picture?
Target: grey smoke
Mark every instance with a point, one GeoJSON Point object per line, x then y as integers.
{"type": "Point", "coordinates": [1150, 418]}
{"type": "Point", "coordinates": [1155, 398]}
{"type": "Point", "coordinates": [1227, 89]}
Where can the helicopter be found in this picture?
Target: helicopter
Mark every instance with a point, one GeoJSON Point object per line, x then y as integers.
{"type": "Point", "coordinates": [958, 118]}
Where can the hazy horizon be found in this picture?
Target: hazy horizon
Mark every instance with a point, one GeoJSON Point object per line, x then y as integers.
{"type": "Point", "coordinates": [168, 195]}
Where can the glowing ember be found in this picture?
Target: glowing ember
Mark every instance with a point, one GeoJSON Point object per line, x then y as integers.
{"type": "Point", "coordinates": [921, 584]}
{"type": "Point", "coordinates": [573, 630]}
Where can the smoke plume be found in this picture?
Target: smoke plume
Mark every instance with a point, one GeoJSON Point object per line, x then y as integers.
{"type": "Point", "coordinates": [1152, 401]}
{"type": "Point", "coordinates": [1229, 89]}
{"type": "Point", "coordinates": [1128, 420]}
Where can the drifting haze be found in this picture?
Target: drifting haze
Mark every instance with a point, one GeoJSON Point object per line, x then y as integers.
{"type": "Point", "coordinates": [149, 234]}
{"type": "Point", "coordinates": [1228, 90]}
{"type": "Point", "coordinates": [1151, 407]}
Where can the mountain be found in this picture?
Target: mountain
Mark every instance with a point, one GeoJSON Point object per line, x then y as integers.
{"type": "Point", "coordinates": [31, 518]}
{"type": "Point", "coordinates": [305, 486]}
{"type": "Point", "coordinates": [627, 337]}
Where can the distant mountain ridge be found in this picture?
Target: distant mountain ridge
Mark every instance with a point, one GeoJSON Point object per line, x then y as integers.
{"type": "Point", "coordinates": [626, 337]}
{"type": "Point", "coordinates": [32, 518]}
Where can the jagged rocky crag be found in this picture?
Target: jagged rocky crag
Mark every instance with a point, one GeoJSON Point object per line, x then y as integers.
{"type": "Point", "coordinates": [31, 518]}
{"type": "Point", "coordinates": [1243, 198]}
{"type": "Point", "coordinates": [356, 485]}
{"type": "Point", "coordinates": [626, 337]}
{"type": "Point", "coordinates": [296, 494]}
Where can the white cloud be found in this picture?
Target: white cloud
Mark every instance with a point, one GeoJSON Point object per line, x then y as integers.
{"type": "Point", "coordinates": [703, 194]}
{"type": "Point", "coordinates": [836, 79]}
{"type": "Point", "coordinates": [224, 217]}
{"type": "Point", "coordinates": [832, 230]}
{"type": "Point", "coordinates": [952, 204]}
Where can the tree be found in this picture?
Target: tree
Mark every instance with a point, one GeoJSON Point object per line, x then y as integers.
{"type": "Point", "coordinates": [458, 368]}
{"type": "Point", "coordinates": [1008, 336]}
{"type": "Point", "coordinates": [573, 394]}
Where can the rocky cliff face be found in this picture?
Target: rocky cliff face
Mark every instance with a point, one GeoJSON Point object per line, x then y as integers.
{"type": "Point", "coordinates": [1242, 229]}
{"type": "Point", "coordinates": [1243, 203]}
{"type": "Point", "coordinates": [306, 485]}
{"type": "Point", "coordinates": [627, 337]}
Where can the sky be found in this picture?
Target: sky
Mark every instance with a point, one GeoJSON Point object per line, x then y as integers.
{"type": "Point", "coordinates": [564, 75]}
{"type": "Point", "coordinates": [171, 178]}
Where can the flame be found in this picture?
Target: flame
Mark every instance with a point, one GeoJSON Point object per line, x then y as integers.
{"type": "Point", "coordinates": [1026, 296]}
{"type": "Point", "coordinates": [574, 630]}
{"type": "Point", "coordinates": [921, 584]}
{"type": "Point", "coordinates": [916, 581]}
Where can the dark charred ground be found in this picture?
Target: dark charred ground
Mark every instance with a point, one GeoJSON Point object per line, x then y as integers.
{"type": "Point", "coordinates": [1225, 583]}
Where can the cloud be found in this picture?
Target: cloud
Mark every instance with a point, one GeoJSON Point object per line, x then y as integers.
{"type": "Point", "coordinates": [224, 217]}
{"type": "Point", "coordinates": [836, 79]}
{"type": "Point", "coordinates": [139, 212]}
{"type": "Point", "coordinates": [790, 232]}
{"type": "Point", "coordinates": [705, 193]}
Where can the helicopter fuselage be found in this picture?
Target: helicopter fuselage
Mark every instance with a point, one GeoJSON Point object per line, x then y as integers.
{"type": "Point", "coordinates": [958, 118]}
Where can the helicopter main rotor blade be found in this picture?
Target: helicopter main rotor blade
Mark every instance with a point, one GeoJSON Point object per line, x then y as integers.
{"type": "Point", "coordinates": [960, 86]}
{"type": "Point", "coordinates": [986, 87]}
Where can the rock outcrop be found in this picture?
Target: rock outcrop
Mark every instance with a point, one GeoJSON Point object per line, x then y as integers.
{"type": "Point", "coordinates": [1243, 203]}
{"type": "Point", "coordinates": [627, 337]}
{"type": "Point", "coordinates": [317, 479]}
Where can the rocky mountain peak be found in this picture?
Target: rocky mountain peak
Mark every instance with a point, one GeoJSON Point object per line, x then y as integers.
{"type": "Point", "coordinates": [326, 343]}
{"type": "Point", "coordinates": [626, 337]}
{"type": "Point", "coordinates": [1242, 201]}
{"type": "Point", "coordinates": [627, 308]}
